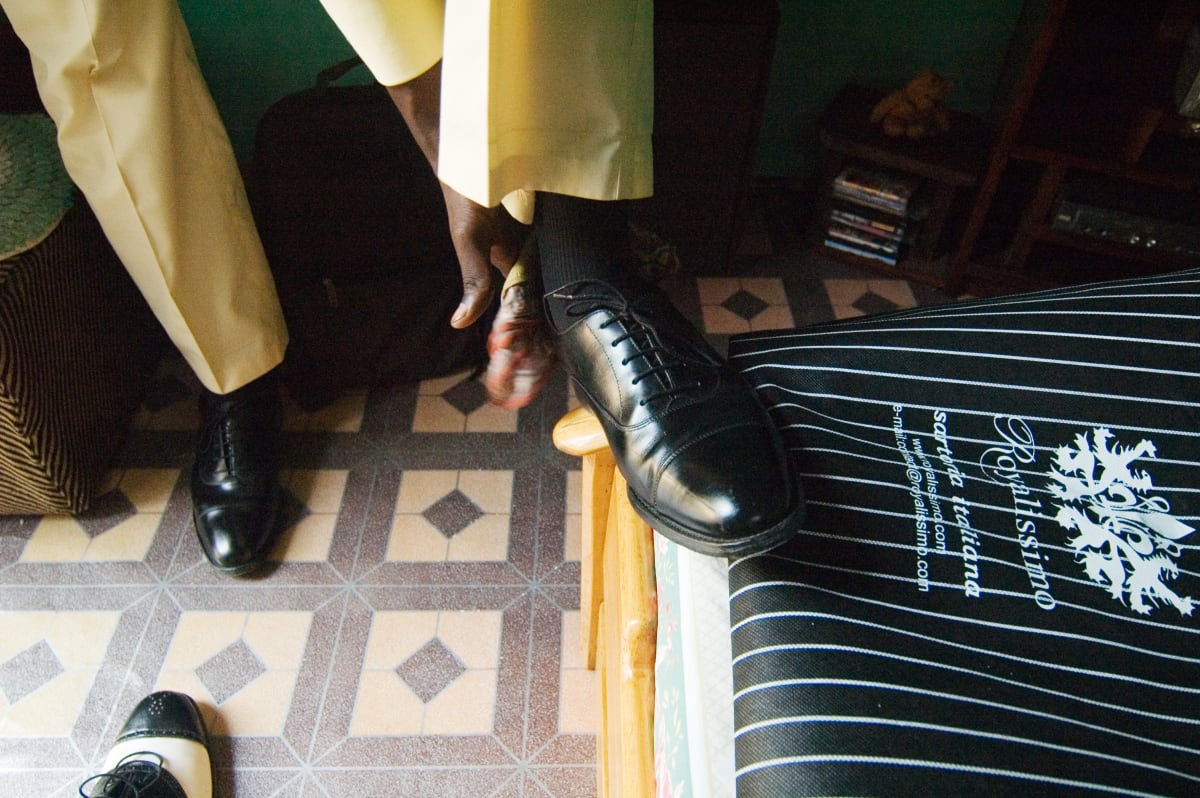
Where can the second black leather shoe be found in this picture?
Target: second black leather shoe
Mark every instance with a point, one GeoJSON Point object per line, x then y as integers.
{"type": "Point", "coordinates": [235, 490]}
{"type": "Point", "coordinates": [162, 752]}
{"type": "Point", "coordinates": [704, 463]}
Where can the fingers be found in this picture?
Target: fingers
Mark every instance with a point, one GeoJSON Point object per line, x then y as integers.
{"type": "Point", "coordinates": [470, 230]}
{"type": "Point", "coordinates": [508, 241]}
{"type": "Point", "coordinates": [477, 295]}
{"type": "Point", "coordinates": [472, 246]}
{"type": "Point", "coordinates": [483, 238]}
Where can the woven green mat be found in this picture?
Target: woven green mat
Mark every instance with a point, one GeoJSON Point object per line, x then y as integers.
{"type": "Point", "coordinates": [35, 190]}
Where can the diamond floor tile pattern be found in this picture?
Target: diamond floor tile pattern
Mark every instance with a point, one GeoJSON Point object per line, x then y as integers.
{"type": "Point", "coordinates": [244, 666]}
{"type": "Point", "coordinates": [865, 297]}
{"type": "Point", "coordinates": [120, 525]}
{"type": "Point", "coordinates": [737, 305]}
{"type": "Point", "coordinates": [418, 631]}
{"type": "Point", "coordinates": [48, 662]}
{"type": "Point", "coordinates": [452, 515]}
{"type": "Point", "coordinates": [429, 673]}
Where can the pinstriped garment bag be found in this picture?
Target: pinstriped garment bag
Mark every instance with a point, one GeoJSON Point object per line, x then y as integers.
{"type": "Point", "coordinates": [996, 588]}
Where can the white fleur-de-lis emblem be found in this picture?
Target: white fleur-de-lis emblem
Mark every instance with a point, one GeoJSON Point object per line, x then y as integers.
{"type": "Point", "coordinates": [1127, 540]}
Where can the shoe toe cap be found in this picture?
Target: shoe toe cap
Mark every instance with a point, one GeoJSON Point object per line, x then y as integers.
{"type": "Point", "coordinates": [733, 486]}
{"type": "Point", "coordinates": [237, 536]}
{"type": "Point", "coordinates": [165, 714]}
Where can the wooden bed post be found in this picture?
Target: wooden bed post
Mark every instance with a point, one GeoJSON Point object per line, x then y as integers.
{"type": "Point", "coordinates": [618, 611]}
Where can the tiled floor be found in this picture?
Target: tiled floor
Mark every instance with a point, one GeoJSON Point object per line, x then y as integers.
{"type": "Point", "coordinates": [418, 635]}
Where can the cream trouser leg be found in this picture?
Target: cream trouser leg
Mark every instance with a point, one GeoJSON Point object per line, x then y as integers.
{"type": "Point", "coordinates": [142, 139]}
{"type": "Point", "coordinates": [537, 95]}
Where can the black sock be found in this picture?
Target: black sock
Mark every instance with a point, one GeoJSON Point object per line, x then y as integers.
{"type": "Point", "coordinates": [581, 239]}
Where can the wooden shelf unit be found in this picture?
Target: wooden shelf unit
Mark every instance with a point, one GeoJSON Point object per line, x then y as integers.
{"type": "Point", "coordinates": [1085, 103]}
{"type": "Point", "coordinates": [948, 165]}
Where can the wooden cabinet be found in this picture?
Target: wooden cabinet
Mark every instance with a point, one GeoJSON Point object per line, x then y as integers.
{"type": "Point", "coordinates": [1092, 175]}
{"type": "Point", "coordinates": [712, 61]}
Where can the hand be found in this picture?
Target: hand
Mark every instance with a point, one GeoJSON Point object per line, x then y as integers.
{"type": "Point", "coordinates": [483, 237]}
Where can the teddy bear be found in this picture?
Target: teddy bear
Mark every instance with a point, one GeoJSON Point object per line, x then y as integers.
{"type": "Point", "coordinates": [915, 111]}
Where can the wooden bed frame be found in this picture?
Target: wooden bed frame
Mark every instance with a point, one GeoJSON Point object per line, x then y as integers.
{"type": "Point", "coordinates": [618, 605]}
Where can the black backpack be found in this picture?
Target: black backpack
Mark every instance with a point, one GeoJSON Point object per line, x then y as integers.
{"type": "Point", "coordinates": [354, 225]}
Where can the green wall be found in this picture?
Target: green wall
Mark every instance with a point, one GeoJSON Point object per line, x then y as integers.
{"type": "Point", "coordinates": [256, 51]}
{"type": "Point", "coordinates": [253, 52]}
{"type": "Point", "coordinates": [823, 44]}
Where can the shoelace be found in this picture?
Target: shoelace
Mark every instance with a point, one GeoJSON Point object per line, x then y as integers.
{"type": "Point", "coordinates": [129, 773]}
{"type": "Point", "coordinates": [223, 434]}
{"type": "Point", "coordinates": [217, 435]}
{"type": "Point", "coordinates": [658, 359]}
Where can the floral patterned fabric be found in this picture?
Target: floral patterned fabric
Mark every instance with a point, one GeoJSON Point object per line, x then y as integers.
{"type": "Point", "coordinates": [693, 706]}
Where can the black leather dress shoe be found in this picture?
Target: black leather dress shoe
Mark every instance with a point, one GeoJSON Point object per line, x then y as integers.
{"type": "Point", "coordinates": [235, 489]}
{"type": "Point", "coordinates": [162, 752]}
{"type": "Point", "coordinates": [704, 464]}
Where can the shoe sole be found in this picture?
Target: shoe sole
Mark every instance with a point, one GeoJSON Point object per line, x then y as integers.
{"type": "Point", "coordinates": [757, 543]}
{"type": "Point", "coordinates": [235, 570]}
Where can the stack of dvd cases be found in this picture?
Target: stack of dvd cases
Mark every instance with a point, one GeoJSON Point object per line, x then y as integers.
{"type": "Point", "coordinates": [869, 213]}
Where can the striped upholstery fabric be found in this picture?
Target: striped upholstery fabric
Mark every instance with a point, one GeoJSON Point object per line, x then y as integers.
{"type": "Point", "coordinates": [995, 590]}
{"type": "Point", "coordinates": [77, 343]}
